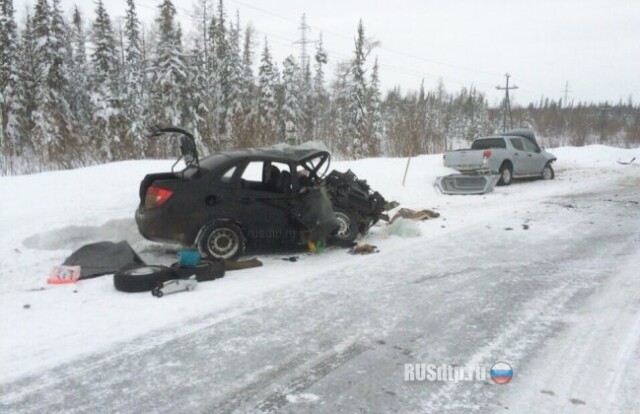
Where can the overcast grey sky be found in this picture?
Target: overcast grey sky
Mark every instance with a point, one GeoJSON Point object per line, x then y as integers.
{"type": "Point", "coordinates": [592, 44]}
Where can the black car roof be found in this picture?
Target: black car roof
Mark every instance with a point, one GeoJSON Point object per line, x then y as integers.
{"type": "Point", "coordinates": [288, 154]}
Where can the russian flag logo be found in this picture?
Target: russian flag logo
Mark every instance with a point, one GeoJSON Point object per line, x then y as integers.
{"type": "Point", "coordinates": [501, 373]}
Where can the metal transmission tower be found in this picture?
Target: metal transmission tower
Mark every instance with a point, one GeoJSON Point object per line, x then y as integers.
{"type": "Point", "coordinates": [566, 91]}
{"type": "Point", "coordinates": [303, 42]}
{"type": "Point", "coordinates": [507, 103]}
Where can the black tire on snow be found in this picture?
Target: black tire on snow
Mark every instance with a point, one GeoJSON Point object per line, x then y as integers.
{"type": "Point", "coordinates": [141, 278]}
{"type": "Point", "coordinates": [506, 174]}
{"type": "Point", "coordinates": [348, 230]}
{"type": "Point", "coordinates": [221, 240]}
{"type": "Point", "coordinates": [205, 270]}
{"type": "Point", "coordinates": [548, 173]}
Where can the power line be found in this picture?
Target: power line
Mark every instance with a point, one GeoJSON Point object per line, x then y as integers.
{"type": "Point", "coordinates": [398, 52]}
{"type": "Point", "coordinates": [304, 27]}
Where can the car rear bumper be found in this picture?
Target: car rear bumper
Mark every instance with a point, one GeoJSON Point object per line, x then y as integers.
{"type": "Point", "coordinates": [154, 225]}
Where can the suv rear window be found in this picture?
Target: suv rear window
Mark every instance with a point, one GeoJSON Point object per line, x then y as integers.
{"type": "Point", "coordinates": [486, 143]}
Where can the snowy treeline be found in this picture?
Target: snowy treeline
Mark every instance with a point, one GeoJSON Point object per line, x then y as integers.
{"type": "Point", "coordinates": [75, 92]}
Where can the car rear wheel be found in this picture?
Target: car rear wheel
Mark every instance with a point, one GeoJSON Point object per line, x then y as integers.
{"type": "Point", "coordinates": [548, 173]}
{"type": "Point", "coordinates": [221, 240]}
{"type": "Point", "coordinates": [506, 174]}
{"type": "Point", "coordinates": [348, 227]}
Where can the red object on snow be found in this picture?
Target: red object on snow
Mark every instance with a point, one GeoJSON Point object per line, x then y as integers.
{"type": "Point", "coordinates": [60, 275]}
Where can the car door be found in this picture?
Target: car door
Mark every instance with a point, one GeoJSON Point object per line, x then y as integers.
{"type": "Point", "coordinates": [519, 156]}
{"type": "Point", "coordinates": [263, 204]}
{"type": "Point", "coordinates": [534, 159]}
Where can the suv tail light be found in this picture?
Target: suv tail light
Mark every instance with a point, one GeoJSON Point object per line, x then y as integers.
{"type": "Point", "coordinates": [486, 154]}
{"type": "Point", "coordinates": [156, 196]}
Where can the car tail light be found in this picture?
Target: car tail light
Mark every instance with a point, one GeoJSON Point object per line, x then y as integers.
{"type": "Point", "coordinates": [486, 154]}
{"type": "Point", "coordinates": [156, 196]}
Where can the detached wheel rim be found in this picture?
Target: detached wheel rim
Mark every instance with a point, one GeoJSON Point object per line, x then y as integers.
{"type": "Point", "coordinates": [546, 173]}
{"type": "Point", "coordinates": [344, 223]}
{"type": "Point", "coordinates": [223, 243]}
{"type": "Point", "coordinates": [506, 176]}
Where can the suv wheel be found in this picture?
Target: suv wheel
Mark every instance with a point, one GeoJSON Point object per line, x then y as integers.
{"type": "Point", "coordinates": [221, 240]}
{"type": "Point", "coordinates": [548, 173]}
{"type": "Point", "coordinates": [506, 175]}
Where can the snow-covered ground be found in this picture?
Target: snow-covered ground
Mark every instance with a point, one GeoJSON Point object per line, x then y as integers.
{"type": "Point", "coordinates": [559, 301]}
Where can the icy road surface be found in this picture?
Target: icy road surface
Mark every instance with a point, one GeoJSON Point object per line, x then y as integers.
{"type": "Point", "coordinates": [542, 275]}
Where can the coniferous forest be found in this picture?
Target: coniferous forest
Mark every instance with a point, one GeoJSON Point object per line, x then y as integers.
{"type": "Point", "coordinates": [78, 90]}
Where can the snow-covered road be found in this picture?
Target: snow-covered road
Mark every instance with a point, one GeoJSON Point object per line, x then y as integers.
{"type": "Point", "coordinates": [559, 301]}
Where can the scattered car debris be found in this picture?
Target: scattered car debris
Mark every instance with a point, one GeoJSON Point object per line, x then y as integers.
{"type": "Point", "coordinates": [241, 264]}
{"type": "Point", "coordinates": [404, 228]}
{"type": "Point", "coordinates": [60, 275]}
{"type": "Point", "coordinates": [417, 215]}
{"type": "Point", "coordinates": [188, 257]}
{"type": "Point", "coordinates": [364, 249]}
{"type": "Point", "coordinates": [174, 286]}
{"type": "Point", "coordinates": [103, 258]}
{"type": "Point", "coordinates": [627, 162]}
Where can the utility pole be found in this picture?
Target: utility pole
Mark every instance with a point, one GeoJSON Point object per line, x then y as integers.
{"type": "Point", "coordinates": [507, 102]}
{"type": "Point", "coordinates": [303, 42]}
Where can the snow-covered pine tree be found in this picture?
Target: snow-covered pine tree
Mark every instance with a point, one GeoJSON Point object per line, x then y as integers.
{"type": "Point", "coordinates": [248, 90]}
{"type": "Point", "coordinates": [39, 132]}
{"type": "Point", "coordinates": [103, 97]}
{"type": "Point", "coordinates": [80, 100]}
{"type": "Point", "coordinates": [358, 140]}
{"type": "Point", "coordinates": [267, 100]}
{"type": "Point", "coordinates": [223, 69]}
{"type": "Point", "coordinates": [320, 98]}
{"type": "Point", "coordinates": [25, 144]}
{"type": "Point", "coordinates": [62, 146]}
{"type": "Point", "coordinates": [291, 110]}
{"type": "Point", "coordinates": [134, 82]}
{"type": "Point", "coordinates": [338, 127]}
{"type": "Point", "coordinates": [170, 70]}
{"type": "Point", "coordinates": [235, 120]}
{"type": "Point", "coordinates": [213, 90]}
{"type": "Point", "coordinates": [307, 115]}
{"type": "Point", "coordinates": [9, 101]}
{"type": "Point", "coordinates": [374, 120]}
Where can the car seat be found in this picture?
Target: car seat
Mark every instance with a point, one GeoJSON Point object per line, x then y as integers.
{"type": "Point", "coordinates": [284, 183]}
{"type": "Point", "coordinates": [274, 179]}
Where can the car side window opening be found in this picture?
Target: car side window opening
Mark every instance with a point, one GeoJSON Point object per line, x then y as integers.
{"type": "Point", "coordinates": [529, 146]}
{"type": "Point", "coordinates": [517, 143]}
{"type": "Point", "coordinates": [228, 175]}
{"type": "Point", "coordinates": [267, 176]}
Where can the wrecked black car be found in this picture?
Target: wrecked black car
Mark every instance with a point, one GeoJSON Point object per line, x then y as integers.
{"type": "Point", "coordinates": [250, 198]}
